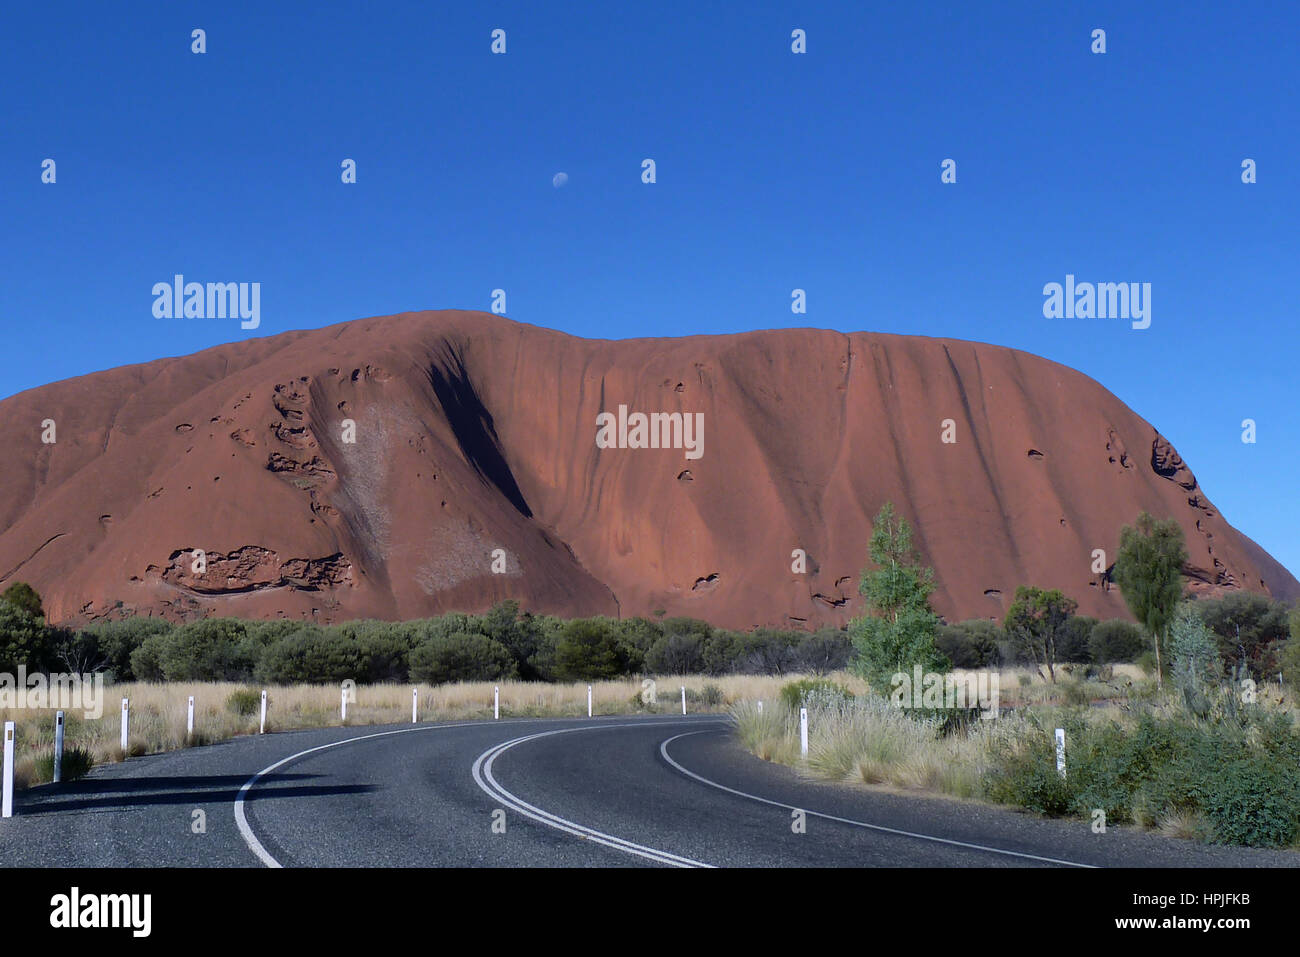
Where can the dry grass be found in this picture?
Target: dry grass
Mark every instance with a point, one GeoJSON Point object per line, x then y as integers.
{"type": "Point", "coordinates": [158, 711]}
{"type": "Point", "coordinates": [868, 740]}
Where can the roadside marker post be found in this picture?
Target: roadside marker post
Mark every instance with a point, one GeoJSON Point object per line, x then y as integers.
{"type": "Point", "coordinates": [344, 706]}
{"type": "Point", "coordinates": [415, 706]}
{"type": "Point", "coordinates": [496, 703]}
{"type": "Point", "coordinates": [803, 731]}
{"type": "Point", "coordinates": [683, 699]}
{"type": "Point", "coordinates": [760, 705]}
{"type": "Point", "coordinates": [1060, 751]}
{"type": "Point", "coordinates": [588, 701]}
{"type": "Point", "coordinates": [189, 719]}
{"type": "Point", "coordinates": [262, 728]}
{"type": "Point", "coordinates": [126, 721]}
{"type": "Point", "coordinates": [7, 805]}
{"type": "Point", "coordinates": [58, 747]}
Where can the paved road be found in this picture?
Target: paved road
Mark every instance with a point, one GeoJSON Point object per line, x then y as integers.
{"type": "Point", "coordinates": [642, 791]}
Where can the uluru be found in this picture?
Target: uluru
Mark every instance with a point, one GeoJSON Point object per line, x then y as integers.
{"type": "Point", "coordinates": [405, 466]}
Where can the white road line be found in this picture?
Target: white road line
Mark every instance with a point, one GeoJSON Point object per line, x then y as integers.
{"type": "Point", "coordinates": [482, 771]}
{"type": "Point", "coordinates": [663, 750]}
{"type": "Point", "coordinates": [241, 821]}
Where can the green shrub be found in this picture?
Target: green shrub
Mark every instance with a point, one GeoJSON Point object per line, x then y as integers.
{"type": "Point", "coordinates": [1116, 641]}
{"type": "Point", "coordinates": [77, 762]}
{"type": "Point", "coordinates": [1024, 775]}
{"type": "Point", "coordinates": [589, 650]}
{"type": "Point", "coordinates": [244, 702]}
{"type": "Point", "coordinates": [24, 639]}
{"type": "Point", "coordinates": [971, 644]}
{"type": "Point", "coordinates": [1076, 643]}
{"type": "Point", "coordinates": [795, 695]}
{"type": "Point", "coordinates": [23, 596]}
{"type": "Point", "coordinates": [314, 655]}
{"type": "Point", "coordinates": [461, 656]}
{"type": "Point", "coordinates": [1253, 801]}
{"type": "Point", "coordinates": [207, 650]}
{"type": "Point", "coordinates": [710, 696]}
{"type": "Point", "coordinates": [678, 653]}
{"type": "Point", "coordinates": [146, 659]}
{"type": "Point", "coordinates": [116, 641]}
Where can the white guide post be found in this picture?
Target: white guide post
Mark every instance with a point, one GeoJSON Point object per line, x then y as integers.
{"type": "Point", "coordinates": [58, 747]}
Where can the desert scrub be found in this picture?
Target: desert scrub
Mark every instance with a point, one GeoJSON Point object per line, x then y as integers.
{"type": "Point", "coordinates": [244, 702]}
{"type": "Point", "coordinates": [1230, 777]}
{"type": "Point", "coordinates": [795, 694]}
{"type": "Point", "coordinates": [1229, 781]}
{"type": "Point", "coordinates": [76, 762]}
{"type": "Point", "coordinates": [768, 731]}
{"type": "Point", "coordinates": [866, 739]}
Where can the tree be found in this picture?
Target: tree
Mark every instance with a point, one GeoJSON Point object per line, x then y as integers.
{"type": "Point", "coordinates": [1149, 571]}
{"type": "Point", "coordinates": [588, 650]}
{"type": "Point", "coordinates": [24, 597]}
{"type": "Point", "coordinates": [898, 633]}
{"type": "Point", "coordinates": [24, 639]}
{"type": "Point", "coordinates": [1246, 624]}
{"type": "Point", "coordinates": [1194, 656]}
{"type": "Point", "coordinates": [1037, 623]}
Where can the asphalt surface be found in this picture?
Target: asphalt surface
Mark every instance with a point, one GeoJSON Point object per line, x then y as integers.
{"type": "Point", "coordinates": [602, 792]}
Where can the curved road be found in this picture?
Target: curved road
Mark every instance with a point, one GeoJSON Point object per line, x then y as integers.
{"type": "Point", "coordinates": [626, 791]}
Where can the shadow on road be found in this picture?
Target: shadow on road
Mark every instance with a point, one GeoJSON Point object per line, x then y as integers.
{"type": "Point", "coordinates": [198, 789]}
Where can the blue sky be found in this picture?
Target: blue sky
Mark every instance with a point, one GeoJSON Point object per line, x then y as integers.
{"type": "Point", "coordinates": [775, 171]}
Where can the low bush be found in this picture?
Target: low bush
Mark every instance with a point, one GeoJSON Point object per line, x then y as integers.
{"type": "Point", "coordinates": [244, 702]}
{"type": "Point", "coordinates": [77, 762]}
{"type": "Point", "coordinates": [461, 656]}
{"type": "Point", "coordinates": [796, 694]}
{"type": "Point", "coordinates": [1116, 641]}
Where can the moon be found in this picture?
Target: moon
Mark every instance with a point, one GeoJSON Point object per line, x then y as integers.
{"type": "Point", "coordinates": [559, 179]}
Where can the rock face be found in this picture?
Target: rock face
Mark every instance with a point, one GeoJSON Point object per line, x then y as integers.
{"type": "Point", "coordinates": [405, 466]}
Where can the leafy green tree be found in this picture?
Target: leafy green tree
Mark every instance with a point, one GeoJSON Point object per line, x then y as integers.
{"type": "Point", "coordinates": [1149, 571]}
{"type": "Point", "coordinates": [1038, 623]}
{"type": "Point", "coordinates": [588, 649]}
{"type": "Point", "coordinates": [24, 639]}
{"type": "Point", "coordinates": [1245, 624]}
{"type": "Point", "coordinates": [23, 596]}
{"type": "Point", "coordinates": [898, 632]}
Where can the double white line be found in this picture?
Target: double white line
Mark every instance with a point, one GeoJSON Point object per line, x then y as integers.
{"type": "Point", "coordinates": [484, 779]}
